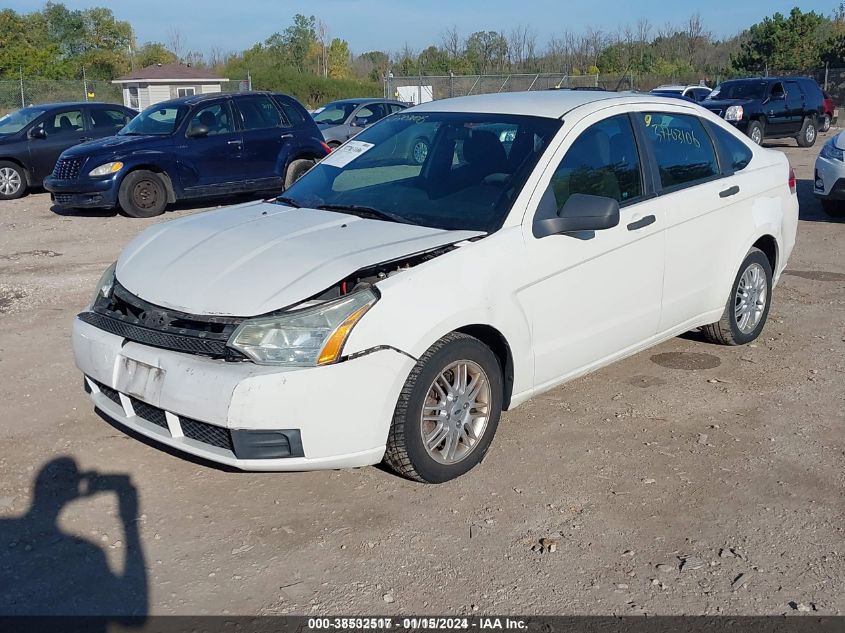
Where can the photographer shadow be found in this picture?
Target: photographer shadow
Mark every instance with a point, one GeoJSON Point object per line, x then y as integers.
{"type": "Point", "coordinates": [45, 571]}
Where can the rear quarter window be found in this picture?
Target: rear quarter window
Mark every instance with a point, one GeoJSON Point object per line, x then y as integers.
{"type": "Point", "coordinates": [734, 152]}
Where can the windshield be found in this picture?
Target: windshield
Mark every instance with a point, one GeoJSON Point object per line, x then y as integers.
{"type": "Point", "coordinates": [156, 121]}
{"type": "Point", "coordinates": [443, 170]}
{"type": "Point", "coordinates": [334, 113]}
{"type": "Point", "coordinates": [14, 122]}
{"type": "Point", "coordinates": [739, 90]}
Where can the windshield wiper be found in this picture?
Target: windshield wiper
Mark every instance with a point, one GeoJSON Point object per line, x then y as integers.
{"type": "Point", "coordinates": [288, 201]}
{"type": "Point", "coordinates": [365, 212]}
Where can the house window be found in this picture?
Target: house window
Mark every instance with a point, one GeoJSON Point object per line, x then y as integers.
{"type": "Point", "coordinates": [185, 92]}
{"type": "Point", "coordinates": [133, 97]}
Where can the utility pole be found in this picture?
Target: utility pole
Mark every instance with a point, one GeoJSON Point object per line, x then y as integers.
{"type": "Point", "coordinates": [85, 83]}
{"type": "Point", "coordinates": [23, 99]}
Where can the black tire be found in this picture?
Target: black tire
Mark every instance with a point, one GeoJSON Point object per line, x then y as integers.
{"type": "Point", "coordinates": [808, 134]}
{"type": "Point", "coordinates": [334, 144]}
{"type": "Point", "coordinates": [825, 124]}
{"type": "Point", "coordinates": [419, 150]}
{"type": "Point", "coordinates": [297, 170]}
{"type": "Point", "coordinates": [834, 208]}
{"type": "Point", "coordinates": [406, 453]}
{"type": "Point", "coordinates": [12, 180]}
{"type": "Point", "coordinates": [142, 194]}
{"type": "Point", "coordinates": [726, 331]}
{"type": "Point", "coordinates": [756, 132]}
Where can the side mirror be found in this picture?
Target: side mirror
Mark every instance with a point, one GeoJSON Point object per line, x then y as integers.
{"type": "Point", "coordinates": [581, 212]}
{"type": "Point", "coordinates": [37, 132]}
{"type": "Point", "coordinates": [198, 131]}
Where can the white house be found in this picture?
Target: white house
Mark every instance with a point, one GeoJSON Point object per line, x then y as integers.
{"type": "Point", "coordinates": [144, 87]}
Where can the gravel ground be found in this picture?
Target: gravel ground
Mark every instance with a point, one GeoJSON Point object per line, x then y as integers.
{"type": "Point", "coordinates": [689, 479]}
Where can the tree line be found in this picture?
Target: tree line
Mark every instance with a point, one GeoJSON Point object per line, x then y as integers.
{"type": "Point", "coordinates": [306, 59]}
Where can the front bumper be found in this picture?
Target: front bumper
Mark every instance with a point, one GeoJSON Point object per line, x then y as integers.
{"type": "Point", "coordinates": [89, 193]}
{"type": "Point", "coordinates": [340, 413]}
{"type": "Point", "coordinates": [829, 179]}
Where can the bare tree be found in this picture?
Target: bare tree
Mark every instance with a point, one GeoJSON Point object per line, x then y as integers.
{"type": "Point", "coordinates": [176, 42]}
{"type": "Point", "coordinates": [324, 38]}
{"type": "Point", "coordinates": [452, 42]}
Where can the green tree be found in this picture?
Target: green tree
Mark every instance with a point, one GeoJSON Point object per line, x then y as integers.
{"type": "Point", "coordinates": [153, 53]}
{"type": "Point", "coordinates": [338, 66]}
{"type": "Point", "coordinates": [779, 42]}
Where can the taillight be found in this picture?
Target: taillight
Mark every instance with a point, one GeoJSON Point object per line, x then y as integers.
{"type": "Point", "coordinates": [792, 182]}
{"type": "Point", "coordinates": [326, 147]}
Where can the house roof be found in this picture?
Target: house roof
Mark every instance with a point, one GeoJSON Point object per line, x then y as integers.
{"type": "Point", "coordinates": [170, 72]}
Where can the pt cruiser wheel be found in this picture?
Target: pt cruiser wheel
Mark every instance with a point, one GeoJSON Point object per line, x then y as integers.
{"type": "Point", "coordinates": [447, 412]}
{"type": "Point", "coordinates": [143, 194]}
{"type": "Point", "coordinates": [748, 306]}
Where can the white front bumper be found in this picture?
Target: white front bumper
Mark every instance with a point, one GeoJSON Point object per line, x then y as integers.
{"type": "Point", "coordinates": [342, 411]}
{"type": "Point", "coordinates": [827, 173]}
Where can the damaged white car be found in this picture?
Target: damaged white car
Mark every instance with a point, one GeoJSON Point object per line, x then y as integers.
{"type": "Point", "coordinates": [383, 309]}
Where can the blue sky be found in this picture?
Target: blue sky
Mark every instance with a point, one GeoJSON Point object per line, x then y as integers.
{"type": "Point", "coordinates": [389, 24]}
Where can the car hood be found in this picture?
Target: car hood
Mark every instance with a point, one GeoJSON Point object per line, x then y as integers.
{"type": "Point", "coordinates": [724, 104]}
{"type": "Point", "coordinates": [111, 145]}
{"type": "Point", "coordinates": [839, 140]}
{"type": "Point", "coordinates": [259, 257]}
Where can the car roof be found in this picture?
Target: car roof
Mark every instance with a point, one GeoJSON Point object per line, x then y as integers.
{"type": "Point", "coordinates": [365, 100]}
{"type": "Point", "coordinates": [72, 104]}
{"type": "Point", "coordinates": [543, 103]}
{"type": "Point", "coordinates": [208, 96]}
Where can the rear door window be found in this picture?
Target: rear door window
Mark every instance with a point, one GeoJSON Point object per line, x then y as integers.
{"type": "Point", "coordinates": [259, 113]}
{"type": "Point", "coordinates": [682, 148]}
{"type": "Point", "coordinates": [106, 119]}
{"type": "Point", "coordinates": [63, 123]}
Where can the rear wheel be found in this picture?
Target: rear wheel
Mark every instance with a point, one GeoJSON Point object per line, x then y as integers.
{"type": "Point", "coordinates": [825, 124]}
{"type": "Point", "coordinates": [296, 170]}
{"type": "Point", "coordinates": [142, 194]}
{"type": "Point", "coordinates": [448, 411]}
{"type": "Point", "coordinates": [12, 180]}
{"type": "Point", "coordinates": [807, 136]}
{"type": "Point", "coordinates": [333, 144]}
{"type": "Point", "coordinates": [834, 208]}
{"type": "Point", "coordinates": [755, 132]}
{"type": "Point", "coordinates": [748, 304]}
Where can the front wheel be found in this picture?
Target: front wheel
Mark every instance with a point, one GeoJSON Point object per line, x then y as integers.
{"type": "Point", "coordinates": [419, 150]}
{"type": "Point", "coordinates": [12, 181]}
{"type": "Point", "coordinates": [448, 411]}
{"type": "Point", "coordinates": [807, 136]}
{"type": "Point", "coordinates": [142, 194]}
{"type": "Point", "coordinates": [748, 305]}
{"type": "Point", "coordinates": [755, 132]}
{"type": "Point", "coordinates": [296, 170]}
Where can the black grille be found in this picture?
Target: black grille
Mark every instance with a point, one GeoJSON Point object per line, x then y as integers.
{"type": "Point", "coordinates": [131, 317]}
{"type": "Point", "coordinates": [155, 338]}
{"type": "Point", "coordinates": [207, 433]}
{"type": "Point", "coordinates": [67, 169]}
{"type": "Point", "coordinates": [109, 393]}
{"type": "Point", "coordinates": [149, 413]}
{"type": "Point", "coordinates": [62, 198]}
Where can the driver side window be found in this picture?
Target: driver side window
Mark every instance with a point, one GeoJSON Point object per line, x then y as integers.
{"type": "Point", "coordinates": [603, 161]}
{"type": "Point", "coordinates": [215, 117]}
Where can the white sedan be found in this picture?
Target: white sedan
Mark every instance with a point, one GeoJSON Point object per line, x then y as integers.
{"type": "Point", "coordinates": [829, 181]}
{"type": "Point", "coordinates": [386, 310]}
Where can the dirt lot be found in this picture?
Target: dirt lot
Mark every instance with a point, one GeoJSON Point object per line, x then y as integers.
{"type": "Point", "coordinates": [689, 479]}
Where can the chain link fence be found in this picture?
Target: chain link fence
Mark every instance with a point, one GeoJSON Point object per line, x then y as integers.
{"type": "Point", "coordinates": [420, 88]}
{"type": "Point", "coordinates": [16, 93]}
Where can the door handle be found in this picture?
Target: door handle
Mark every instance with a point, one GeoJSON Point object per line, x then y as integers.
{"type": "Point", "coordinates": [730, 191]}
{"type": "Point", "coordinates": [284, 136]}
{"type": "Point", "coordinates": [234, 142]}
{"type": "Point", "coordinates": [642, 223]}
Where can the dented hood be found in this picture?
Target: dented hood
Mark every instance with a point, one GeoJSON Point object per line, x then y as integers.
{"type": "Point", "coordinates": [252, 259]}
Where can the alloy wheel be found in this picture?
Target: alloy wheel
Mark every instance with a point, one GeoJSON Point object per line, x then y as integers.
{"type": "Point", "coordinates": [750, 299]}
{"type": "Point", "coordinates": [10, 181]}
{"type": "Point", "coordinates": [456, 411]}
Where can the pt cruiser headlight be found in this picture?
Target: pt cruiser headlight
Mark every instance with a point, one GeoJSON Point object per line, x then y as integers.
{"type": "Point", "coordinates": [831, 152]}
{"type": "Point", "coordinates": [304, 338]}
{"type": "Point", "coordinates": [104, 286]}
{"type": "Point", "coordinates": [734, 113]}
{"type": "Point", "coordinates": [106, 169]}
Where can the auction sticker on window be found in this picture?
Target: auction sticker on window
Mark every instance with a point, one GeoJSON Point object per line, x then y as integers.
{"type": "Point", "coordinates": [346, 153]}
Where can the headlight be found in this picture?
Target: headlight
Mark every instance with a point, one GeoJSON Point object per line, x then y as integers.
{"type": "Point", "coordinates": [104, 286]}
{"type": "Point", "coordinates": [106, 169]}
{"type": "Point", "coordinates": [734, 113]}
{"type": "Point", "coordinates": [305, 338]}
{"type": "Point", "coordinates": [831, 152]}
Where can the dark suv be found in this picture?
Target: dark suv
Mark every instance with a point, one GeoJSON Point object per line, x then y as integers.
{"type": "Point", "coordinates": [32, 138]}
{"type": "Point", "coordinates": [192, 147]}
{"type": "Point", "coordinates": [770, 107]}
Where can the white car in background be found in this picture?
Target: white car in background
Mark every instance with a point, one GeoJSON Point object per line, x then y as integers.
{"type": "Point", "coordinates": [387, 310]}
{"type": "Point", "coordinates": [829, 178]}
